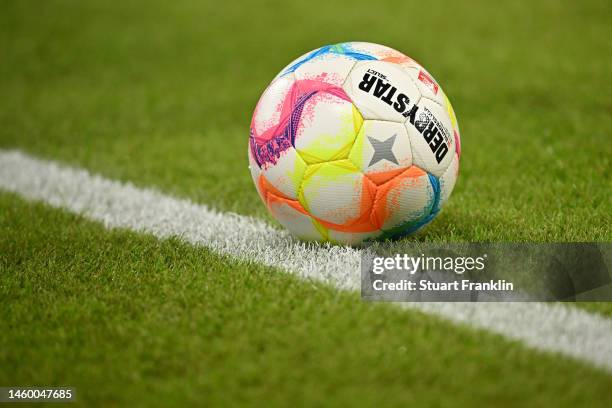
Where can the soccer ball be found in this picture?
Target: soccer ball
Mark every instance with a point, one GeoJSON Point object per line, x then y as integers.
{"type": "Point", "coordinates": [354, 142]}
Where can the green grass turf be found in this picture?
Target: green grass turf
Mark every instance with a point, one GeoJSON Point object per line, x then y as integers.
{"type": "Point", "coordinates": [161, 93]}
{"type": "Point", "coordinates": [125, 317]}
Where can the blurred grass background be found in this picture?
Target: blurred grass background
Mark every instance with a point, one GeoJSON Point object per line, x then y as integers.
{"type": "Point", "coordinates": [161, 93]}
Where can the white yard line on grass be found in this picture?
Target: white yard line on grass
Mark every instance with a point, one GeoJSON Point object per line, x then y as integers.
{"type": "Point", "coordinates": [548, 327]}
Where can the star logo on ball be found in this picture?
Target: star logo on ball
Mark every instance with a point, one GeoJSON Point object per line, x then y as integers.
{"type": "Point", "coordinates": [382, 150]}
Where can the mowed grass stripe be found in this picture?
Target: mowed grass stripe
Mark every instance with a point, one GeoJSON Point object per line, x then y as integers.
{"type": "Point", "coordinates": [549, 327]}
